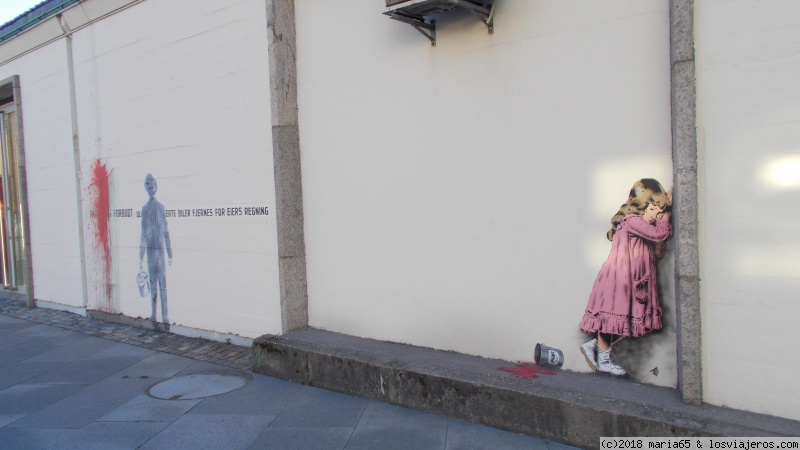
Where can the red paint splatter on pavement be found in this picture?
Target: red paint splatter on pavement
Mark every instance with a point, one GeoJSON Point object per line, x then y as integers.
{"type": "Point", "coordinates": [524, 371]}
{"type": "Point", "coordinates": [100, 202]}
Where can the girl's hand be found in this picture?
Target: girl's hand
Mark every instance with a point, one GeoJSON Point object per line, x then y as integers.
{"type": "Point", "coordinates": [667, 216]}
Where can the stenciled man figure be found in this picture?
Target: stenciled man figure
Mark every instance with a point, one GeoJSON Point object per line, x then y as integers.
{"type": "Point", "coordinates": [155, 239]}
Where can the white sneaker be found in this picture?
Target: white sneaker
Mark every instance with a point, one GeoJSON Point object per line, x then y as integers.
{"type": "Point", "coordinates": [589, 351]}
{"type": "Point", "coordinates": [605, 365]}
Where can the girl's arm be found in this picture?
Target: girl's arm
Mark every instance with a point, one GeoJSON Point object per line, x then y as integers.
{"type": "Point", "coordinates": [657, 232]}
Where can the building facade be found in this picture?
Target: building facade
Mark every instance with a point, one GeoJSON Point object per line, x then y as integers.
{"type": "Point", "coordinates": [283, 164]}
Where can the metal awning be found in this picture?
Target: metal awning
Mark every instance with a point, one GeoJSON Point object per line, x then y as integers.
{"type": "Point", "coordinates": [418, 13]}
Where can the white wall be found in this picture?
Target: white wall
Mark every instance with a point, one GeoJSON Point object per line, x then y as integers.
{"type": "Point", "coordinates": [179, 89]}
{"type": "Point", "coordinates": [748, 64]}
{"type": "Point", "coordinates": [458, 196]}
{"type": "Point", "coordinates": [50, 172]}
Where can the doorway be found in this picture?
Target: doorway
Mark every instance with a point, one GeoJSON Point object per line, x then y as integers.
{"type": "Point", "coordinates": [12, 238]}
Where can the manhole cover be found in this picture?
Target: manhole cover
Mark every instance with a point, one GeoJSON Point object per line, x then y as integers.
{"type": "Point", "coordinates": [201, 385]}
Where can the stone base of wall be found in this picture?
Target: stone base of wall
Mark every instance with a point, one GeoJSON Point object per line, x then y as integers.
{"type": "Point", "coordinates": [573, 408]}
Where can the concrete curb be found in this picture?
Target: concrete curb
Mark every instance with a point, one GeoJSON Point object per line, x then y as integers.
{"type": "Point", "coordinates": [573, 408]}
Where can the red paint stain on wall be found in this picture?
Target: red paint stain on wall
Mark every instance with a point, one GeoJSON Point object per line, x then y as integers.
{"type": "Point", "coordinates": [522, 371]}
{"type": "Point", "coordinates": [100, 219]}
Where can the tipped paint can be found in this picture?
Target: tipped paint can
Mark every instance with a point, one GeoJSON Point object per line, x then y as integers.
{"type": "Point", "coordinates": [548, 356]}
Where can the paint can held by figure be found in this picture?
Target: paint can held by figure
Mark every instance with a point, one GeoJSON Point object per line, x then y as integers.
{"type": "Point", "coordinates": [548, 356]}
{"type": "Point", "coordinates": [143, 282]}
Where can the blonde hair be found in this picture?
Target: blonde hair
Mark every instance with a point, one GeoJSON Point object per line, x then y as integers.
{"type": "Point", "coordinates": [643, 193]}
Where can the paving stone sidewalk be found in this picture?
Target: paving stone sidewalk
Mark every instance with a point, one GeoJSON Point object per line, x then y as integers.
{"type": "Point", "coordinates": [68, 381]}
{"type": "Point", "coordinates": [221, 353]}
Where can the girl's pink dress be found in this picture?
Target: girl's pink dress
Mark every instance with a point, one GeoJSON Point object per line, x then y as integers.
{"type": "Point", "coordinates": [624, 299]}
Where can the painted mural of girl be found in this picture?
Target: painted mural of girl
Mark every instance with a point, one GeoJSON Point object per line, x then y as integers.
{"type": "Point", "coordinates": [624, 299]}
